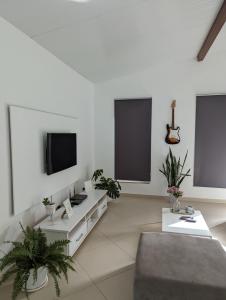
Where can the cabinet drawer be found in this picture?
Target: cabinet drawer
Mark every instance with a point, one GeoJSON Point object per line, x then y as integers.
{"type": "Point", "coordinates": [102, 207]}
{"type": "Point", "coordinates": [77, 238]}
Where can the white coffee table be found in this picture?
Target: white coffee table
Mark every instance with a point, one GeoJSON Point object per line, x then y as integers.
{"type": "Point", "coordinates": [171, 223]}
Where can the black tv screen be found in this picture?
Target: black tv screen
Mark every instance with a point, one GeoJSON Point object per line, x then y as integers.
{"type": "Point", "coordinates": [61, 152]}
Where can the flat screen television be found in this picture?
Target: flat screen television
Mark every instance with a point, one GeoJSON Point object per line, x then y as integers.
{"type": "Point", "coordinates": [61, 152]}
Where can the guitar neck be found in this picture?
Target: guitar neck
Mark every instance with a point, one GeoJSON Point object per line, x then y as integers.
{"type": "Point", "coordinates": [173, 125]}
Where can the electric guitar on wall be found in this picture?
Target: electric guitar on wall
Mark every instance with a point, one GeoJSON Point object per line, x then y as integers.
{"type": "Point", "coordinates": [172, 136]}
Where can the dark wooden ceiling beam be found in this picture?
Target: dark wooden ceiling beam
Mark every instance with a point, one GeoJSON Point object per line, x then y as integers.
{"type": "Point", "coordinates": [213, 33]}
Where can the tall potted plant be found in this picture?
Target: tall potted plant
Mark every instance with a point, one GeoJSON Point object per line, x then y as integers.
{"type": "Point", "coordinates": [173, 170]}
{"type": "Point", "coordinates": [31, 260]}
{"type": "Point", "coordinates": [112, 186]}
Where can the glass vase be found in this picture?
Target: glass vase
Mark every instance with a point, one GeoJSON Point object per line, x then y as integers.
{"type": "Point", "coordinates": [175, 204]}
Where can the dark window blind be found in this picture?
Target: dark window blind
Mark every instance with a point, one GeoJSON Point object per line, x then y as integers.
{"type": "Point", "coordinates": [210, 142]}
{"type": "Point", "coordinates": [133, 139]}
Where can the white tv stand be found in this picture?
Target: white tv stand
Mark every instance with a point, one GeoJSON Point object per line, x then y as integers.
{"type": "Point", "coordinates": [84, 218]}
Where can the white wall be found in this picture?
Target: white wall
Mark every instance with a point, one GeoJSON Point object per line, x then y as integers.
{"type": "Point", "coordinates": [180, 81]}
{"type": "Point", "coordinates": [32, 77]}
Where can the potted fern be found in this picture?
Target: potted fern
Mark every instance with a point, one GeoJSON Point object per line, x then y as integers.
{"type": "Point", "coordinates": [112, 186]}
{"type": "Point", "coordinates": [31, 260]}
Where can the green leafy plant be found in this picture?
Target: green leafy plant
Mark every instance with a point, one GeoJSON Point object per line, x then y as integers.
{"type": "Point", "coordinates": [31, 254]}
{"type": "Point", "coordinates": [173, 170]}
{"type": "Point", "coordinates": [47, 202]}
{"type": "Point", "coordinates": [112, 186]}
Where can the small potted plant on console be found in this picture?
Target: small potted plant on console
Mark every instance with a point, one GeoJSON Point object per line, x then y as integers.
{"type": "Point", "coordinates": [50, 207]}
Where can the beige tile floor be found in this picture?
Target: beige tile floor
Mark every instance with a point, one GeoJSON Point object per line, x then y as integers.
{"type": "Point", "coordinates": [105, 261]}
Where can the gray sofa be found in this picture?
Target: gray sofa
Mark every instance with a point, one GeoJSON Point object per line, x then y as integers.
{"type": "Point", "coordinates": [179, 267]}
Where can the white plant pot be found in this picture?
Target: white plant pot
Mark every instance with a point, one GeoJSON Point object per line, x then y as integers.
{"type": "Point", "coordinates": [42, 280]}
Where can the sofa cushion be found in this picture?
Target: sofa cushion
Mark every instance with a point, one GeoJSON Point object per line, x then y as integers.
{"type": "Point", "coordinates": [176, 266]}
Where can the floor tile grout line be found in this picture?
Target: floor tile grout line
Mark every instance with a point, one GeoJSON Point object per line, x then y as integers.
{"type": "Point", "coordinates": [113, 242]}
{"type": "Point", "coordinates": [106, 278]}
{"type": "Point", "coordinates": [114, 275]}
{"type": "Point", "coordinates": [125, 268]}
{"type": "Point", "coordinates": [105, 297]}
{"type": "Point", "coordinates": [106, 236]}
{"type": "Point", "coordinates": [134, 259]}
{"type": "Point", "coordinates": [118, 216]}
{"type": "Point", "coordinates": [91, 280]}
{"type": "Point", "coordinates": [116, 244]}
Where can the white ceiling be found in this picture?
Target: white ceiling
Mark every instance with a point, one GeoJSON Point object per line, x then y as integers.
{"type": "Point", "coordinates": [103, 39]}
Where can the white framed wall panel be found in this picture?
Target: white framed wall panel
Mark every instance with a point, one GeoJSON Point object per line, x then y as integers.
{"type": "Point", "coordinates": [28, 130]}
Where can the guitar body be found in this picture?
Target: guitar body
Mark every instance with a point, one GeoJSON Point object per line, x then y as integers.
{"type": "Point", "coordinates": [173, 136]}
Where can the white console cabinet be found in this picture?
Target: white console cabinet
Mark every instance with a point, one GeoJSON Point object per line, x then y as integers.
{"type": "Point", "coordinates": [78, 226]}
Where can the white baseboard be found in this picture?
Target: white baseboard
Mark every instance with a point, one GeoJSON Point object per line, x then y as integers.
{"type": "Point", "coordinates": [187, 199]}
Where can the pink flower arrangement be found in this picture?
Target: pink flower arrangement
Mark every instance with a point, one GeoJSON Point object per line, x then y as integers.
{"type": "Point", "coordinates": [175, 191]}
{"type": "Point", "coordinates": [172, 190]}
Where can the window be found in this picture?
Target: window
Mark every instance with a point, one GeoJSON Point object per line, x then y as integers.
{"type": "Point", "coordinates": [210, 142]}
{"type": "Point", "coordinates": [133, 139]}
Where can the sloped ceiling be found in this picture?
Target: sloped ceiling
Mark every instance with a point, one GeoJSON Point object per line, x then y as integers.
{"type": "Point", "coordinates": [103, 39]}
